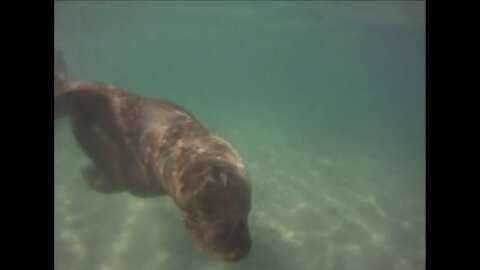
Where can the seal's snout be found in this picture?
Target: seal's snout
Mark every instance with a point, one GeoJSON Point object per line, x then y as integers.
{"type": "Point", "coordinates": [235, 256]}
{"type": "Point", "coordinates": [235, 245]}
{"type": "Point", "coordinates": [241, 251]}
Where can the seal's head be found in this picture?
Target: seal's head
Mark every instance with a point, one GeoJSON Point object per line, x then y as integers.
{"type": "Point", "coordinates": [216, 208]}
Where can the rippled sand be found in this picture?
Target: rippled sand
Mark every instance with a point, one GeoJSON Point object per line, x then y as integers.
{"type": "Point", "coordinates": [311, 210]}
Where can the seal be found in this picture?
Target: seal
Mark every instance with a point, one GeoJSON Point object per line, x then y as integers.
{"type": "Point", "coordinates": [153, 147]}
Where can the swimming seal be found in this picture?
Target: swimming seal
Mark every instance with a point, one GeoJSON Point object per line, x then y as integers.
{"type": "Point", "coordinates": [152, 147]}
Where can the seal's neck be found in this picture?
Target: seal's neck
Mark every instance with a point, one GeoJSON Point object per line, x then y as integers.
{"type": "Point", "coordinates": [196, 154]}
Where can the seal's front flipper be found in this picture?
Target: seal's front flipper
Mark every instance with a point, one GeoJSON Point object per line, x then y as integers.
{"type": "Point", "coordinates": [100, 181]}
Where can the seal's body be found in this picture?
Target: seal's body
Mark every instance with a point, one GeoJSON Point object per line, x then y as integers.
{"type": "Point", "coordinates": [152, 147]}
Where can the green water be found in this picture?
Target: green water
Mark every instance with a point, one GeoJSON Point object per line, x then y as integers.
{"type": "Point", "coordinates": [325, 101]}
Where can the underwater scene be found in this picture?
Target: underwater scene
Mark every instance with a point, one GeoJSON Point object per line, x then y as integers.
{"type": "Point", "coordinates": [324, 101]}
